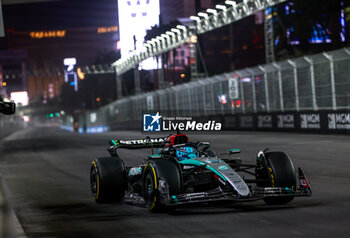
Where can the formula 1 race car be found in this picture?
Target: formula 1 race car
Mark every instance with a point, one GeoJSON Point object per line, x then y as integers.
{"type": "Point", "coordinates": [182, 172]}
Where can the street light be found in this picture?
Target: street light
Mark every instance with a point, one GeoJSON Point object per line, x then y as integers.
{"type": "Point", "coordinates": [162, 41]}
{"type": "Point", "coordinates": [165, 36]}
{"type": "Point", "coordinates": [232, 3]}
{"type": "Point", "coordinates": [176, 30]}
{"type": "Point", "coordinates": [181, 27]}
{"type": "Point", "coordinates": [203, 14]}
{"type": "Point", "coordinates": [221, 7]}
{"type": "Point", "coordinates": [170, 33]}
{"type": "Point", "coordinates": [195, 18]}
{"type": "Point", "coordinates": [213, 11]}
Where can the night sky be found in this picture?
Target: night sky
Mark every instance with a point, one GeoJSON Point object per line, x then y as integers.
{"type": "Point", "coordinates": [60, 14]}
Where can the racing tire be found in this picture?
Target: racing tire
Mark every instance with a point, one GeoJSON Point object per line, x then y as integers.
{"type": "Point", "coordinates": [169, 171]}
{"type": "Point", "coordinates": [108, 180]}
{"type": "Point", "coordinates": [282, 174]}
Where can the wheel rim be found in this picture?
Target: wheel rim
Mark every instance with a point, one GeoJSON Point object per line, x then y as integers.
{"type": "Point", "coordinates": [149, 187]}
{"type": "Point", "coordinates": [93, 181]}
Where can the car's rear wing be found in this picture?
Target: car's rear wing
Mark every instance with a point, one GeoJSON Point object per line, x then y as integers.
{"type": "Point", "coordinates": [139, 143]}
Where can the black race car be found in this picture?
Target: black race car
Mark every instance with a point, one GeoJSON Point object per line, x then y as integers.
{"type": "Point", "coordinates": [182, 172]}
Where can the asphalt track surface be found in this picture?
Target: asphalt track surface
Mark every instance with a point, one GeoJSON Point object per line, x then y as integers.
{"type": "Point", "coordinates": [47, 172]}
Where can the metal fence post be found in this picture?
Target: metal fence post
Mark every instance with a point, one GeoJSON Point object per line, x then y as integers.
{"type": "Point", "coordinates": [213, 95]}
{"type": "Point", "coordinates": [137, 80]}
{"type": "Point", "coordinates": [220, 88]}
{"type": "Point", "coordinates": [189, 98]}
{"type": "Point", "coordinates": [267, 96]}
{"type": "Point", "coordinates": [331, 66]}
{"type": "Point", "coordinates": [177, 102]}
{"type": "Point", "coordinates": [118, 80]}
{"type": "Point", "coordinates": [312, 74]}
{"type": "Point", "coordinates": [161, 76]}
{"type": "Point", "coordinates": [203, 97]}
{"type": "Point", "coordinates": [296, 90]}
{"type": "Point", "coordinates": [242, 94]}
{"type": "Point", "coordinates": [280, 85]}
{"type": "Point", "coordinates": [253, 88]}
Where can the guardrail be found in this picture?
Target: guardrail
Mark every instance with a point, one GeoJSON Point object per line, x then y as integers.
{"type": "Point", "coordinates": [312, 83]}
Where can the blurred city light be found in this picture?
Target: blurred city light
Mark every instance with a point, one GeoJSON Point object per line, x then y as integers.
{"type": "Point", "coordinates": [47, 34]}
{"type": "Point", "coordinates": [80, 73]}
{"type": "Point", "coordinates": [107, 29]}
{"type": "Point", "coordinates": [20, 97]}
{"type": "Point", "coordinates": [26, 118]}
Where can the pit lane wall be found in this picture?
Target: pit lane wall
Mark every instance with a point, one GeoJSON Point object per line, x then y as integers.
{"type": "Point", "coordinates": [310, 94]}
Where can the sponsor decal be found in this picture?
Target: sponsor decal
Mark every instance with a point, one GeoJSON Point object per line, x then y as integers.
{"type": "Point", "coordinates": [223, 167]}
{"type": "Point", "coordinates": [285, 121]}
{"type": "Point", "coordinates": [135, 171]}
{"type": "Point", "coordinates": [156, 123]}
{"type": "Point", "coordinates": [340, 121]}
{"type": "Point", "coordinates": [212, 161]}
{"type": "Point", "coordinates": [197, 195]}
{"type": "Point", "coordinates": [310, 121]}
{"type": "Point", "coordinates": [188, 167]}
{"type": "Point", "coordinates": [140, 141]}
{"type": "Point", "coordinates": [233, 88]}
{"type": "Point", "coordinates": [246, 121]}
{"type": "Point", "coordinates": [264, 121]}
{"type": "Point", "coordinates": [230, 122]}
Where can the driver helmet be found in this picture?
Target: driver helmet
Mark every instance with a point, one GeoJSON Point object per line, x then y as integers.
{"type": "Point", "coordinates": [185, 152]}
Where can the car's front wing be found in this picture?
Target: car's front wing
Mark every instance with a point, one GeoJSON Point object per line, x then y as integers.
{"type": "Point", "coordinates": [218, 194]}
{"type": "Point", "coordinates": [256, 193]}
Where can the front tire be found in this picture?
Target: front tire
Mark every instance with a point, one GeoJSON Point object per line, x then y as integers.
{"type": "Point", "coordinates": [282, 174]}
{"type": "Point", "coordinates": [169, 171]}
{"type": "Point", "coordinates": [107, 179]}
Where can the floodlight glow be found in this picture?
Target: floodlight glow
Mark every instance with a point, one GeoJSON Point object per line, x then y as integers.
{"type": "Point", "coordinates": [203, 14]}
{"type": "Point", "coordinates": [222, 7]}
{"type": "Point", "coordinates": [232, 3]}
{"type": "Point", "coordinates": [135, 18]}
{"type": "Point", "coordinates": [213, 11]}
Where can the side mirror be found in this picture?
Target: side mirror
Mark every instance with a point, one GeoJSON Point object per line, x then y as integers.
{"type": "Point", "coordinates": [234, 151]}
{"type": "Point", "coordinates": [7, 108]}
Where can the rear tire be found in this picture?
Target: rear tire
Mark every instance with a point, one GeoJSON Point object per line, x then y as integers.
{"type": "Point", "coordinates": [282, 174]}
{"type": "Point", "coordinates": [107, 179]}
{"type": "Point", "coordinates": [170, 172]}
